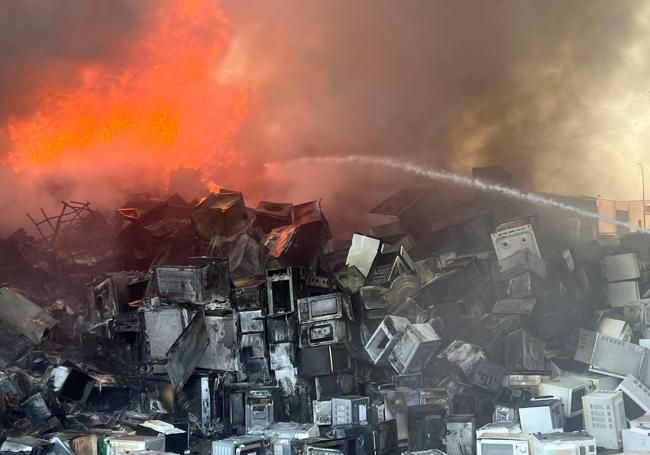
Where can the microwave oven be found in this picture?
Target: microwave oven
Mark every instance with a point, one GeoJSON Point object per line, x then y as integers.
{"type": "Point", "coordinates": [263, 407]}
{"type": "Point", "coordinates": [636, 391]}
{"type": "Point", "coordinates": [323, 332]}
{"type": "Point", "coordinates": [604, 417]}
{"type": "Point", "coordinates": [251, 321]}
{"type": "Point", "coordinates": [504, 444]}
{"type": "Point", "coordinates": [541, 415]}
{"type": "Point", "coordinates": [600, 381]}
{"type": "Point", "coordinates": [461, 434]}
{"type": "Point", "coordinates": [324, 308]}
{"type": "Point", "coordinates": [322, 412]}
{"type": "Point", "coordinates": [615, 328]}
{"type": "Point", "coordinates": [240, 445]}
{"type": "Point", "coordinates": [283, 286]}
{"type": "Point", "coordinates": [572, 443]}
{"type": "Point", "coordinates": [569, 390]}
{"type": "Point", "coordinates": [636, 439]}
{"type": "Point", "coordinates": [530, 380]}
{"type": "Point", "coordinates": [128, 443]}
{"type": "Point", "coordinates": [250, 295]}
{"type": "Point", "coordinates": [617, 358]}
{"type": "Point", "coordinates": [281, 435]}
{"type": "Point", "coordinates": [414, 348]}
{"type": "Point", "coordinates": [374, 439]}
{"type": "Point", "coordinates": [350, 410]}
{"type": "Point", "coordinates": [426, 427]}
{"type": "Point", "coordinates": [500, 428]}
{"type": "Point", "coordinates": [324, 360]}
{"type": "Point", "coordinates": [621, 267]}
{"type": "Point", "coordinates": [621, 292]}
{"type": "Point", "coordinates": [383, 340]}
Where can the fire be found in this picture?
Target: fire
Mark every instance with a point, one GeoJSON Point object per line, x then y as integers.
{"type": "Point", "coordinates": [163, 105]}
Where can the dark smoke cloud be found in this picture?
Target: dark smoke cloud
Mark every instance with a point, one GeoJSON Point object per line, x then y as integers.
{"type": "Point", "coordinates": [550, 117]}
{"type": "Point", "coordinates": [365, 75]}
{"type": "Point", "coordinates": [537, 87]}
{"type": "Point", "coordinates": [450, 84]}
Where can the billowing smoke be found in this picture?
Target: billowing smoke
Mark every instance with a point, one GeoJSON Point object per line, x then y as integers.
{"type": "Point", "coordinates": [370, 77]}
{"type": "Point", "coordinates": [556, 92]}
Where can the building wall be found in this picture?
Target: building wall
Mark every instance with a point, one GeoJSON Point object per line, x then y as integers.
{"type": "Point", "coordinates": [632, 210]}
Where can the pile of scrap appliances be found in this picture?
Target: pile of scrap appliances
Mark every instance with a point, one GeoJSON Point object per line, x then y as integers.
{"type": "Point", "coordinates": [240, 331]}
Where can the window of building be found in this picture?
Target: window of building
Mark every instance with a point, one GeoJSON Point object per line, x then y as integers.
{"type": "Point", "coordinates": [623, 216]}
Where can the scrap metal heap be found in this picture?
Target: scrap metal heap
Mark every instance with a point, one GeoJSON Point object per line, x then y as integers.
{"type": "Point", "coordinates": [240, 331]}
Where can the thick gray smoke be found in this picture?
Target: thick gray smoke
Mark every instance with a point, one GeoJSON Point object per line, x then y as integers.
{"type": "Point", "coordinates": [556, 92]}
{"type": "Point", "coordinates": [368, 77]}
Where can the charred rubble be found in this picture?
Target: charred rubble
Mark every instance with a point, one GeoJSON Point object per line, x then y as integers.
{"type": "Point", "coordinates": [210, 326]}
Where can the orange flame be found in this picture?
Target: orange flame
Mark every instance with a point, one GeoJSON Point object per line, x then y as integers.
{"type": "Point", "coordinates": [163, 104]}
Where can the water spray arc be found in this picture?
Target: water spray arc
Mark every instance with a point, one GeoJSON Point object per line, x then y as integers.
{"type": "Point", "coordinates": [450, 177]}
